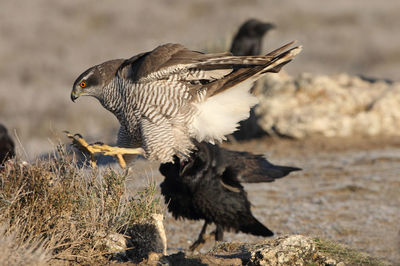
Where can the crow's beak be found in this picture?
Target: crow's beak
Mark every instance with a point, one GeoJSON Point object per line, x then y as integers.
{"type": "Point", "coordinates": [185, 165]}
{"type": "Point", "coordinates": [269, 26]}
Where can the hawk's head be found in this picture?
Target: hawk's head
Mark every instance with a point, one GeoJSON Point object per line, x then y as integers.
{"type": "Point", "coordinates": [92, 81]}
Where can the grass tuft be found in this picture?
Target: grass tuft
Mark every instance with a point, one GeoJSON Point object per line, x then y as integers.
{"type": "Point", "coordinates": [64, 213]}
{"type": "Point", "coordinates": [344, 254]}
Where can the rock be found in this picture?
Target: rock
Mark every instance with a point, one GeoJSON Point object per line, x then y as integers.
{"type": "Point", "coordinates": [116, 244]}
{"type": "Point", "coordinates": [161, 238]}
{"type": "Point", "coordinates": [141, 241]}
{"type": "Point", "coordinates": [291, 250]}
{"type": "Point", "coordinates": [339, 105]}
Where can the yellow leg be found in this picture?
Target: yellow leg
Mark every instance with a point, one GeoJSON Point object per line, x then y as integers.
{"type": "Point", "coordinates": [117, 152]}
{"type": "Point", "coordinates": [81, 144]}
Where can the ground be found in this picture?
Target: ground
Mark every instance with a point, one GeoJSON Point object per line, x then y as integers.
{"type": "Point", "coordinates": [347, 192]}
{"type": "Point", "coordinates": [46, 45]}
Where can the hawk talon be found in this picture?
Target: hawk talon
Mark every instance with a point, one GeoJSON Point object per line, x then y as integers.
{"type": "Point", "coordinates": [99, 147]}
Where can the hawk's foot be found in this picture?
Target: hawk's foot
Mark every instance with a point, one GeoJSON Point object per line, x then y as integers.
{"type": "Point", "coordinates": [79, 142]}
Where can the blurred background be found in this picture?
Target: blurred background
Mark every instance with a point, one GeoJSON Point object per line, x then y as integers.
{"type": "Point", "coordinates": [46, 44]}
{"type": "Point", "coordinates": [346, 194]}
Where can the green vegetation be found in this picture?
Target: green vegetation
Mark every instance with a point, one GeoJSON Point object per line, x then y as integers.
{"type": "Point", "coordinates": [52, 211]}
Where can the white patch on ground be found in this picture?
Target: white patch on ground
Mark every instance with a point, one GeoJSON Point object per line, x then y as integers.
{"type": "Point", "coordinates": [338, 105]}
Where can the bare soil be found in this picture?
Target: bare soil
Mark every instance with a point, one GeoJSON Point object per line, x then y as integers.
{"type": "Point", "coordinates": [348, 191]}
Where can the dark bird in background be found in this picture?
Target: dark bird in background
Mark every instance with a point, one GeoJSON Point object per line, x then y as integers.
{"type": "Point", "coordinates": [6, 145]}
{"type": "Point", "coordinates": [208, 187]}
{"type": "Point", "coordinates": [248, 41]}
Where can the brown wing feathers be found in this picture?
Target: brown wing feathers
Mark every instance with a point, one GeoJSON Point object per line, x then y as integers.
{"type": "Point", "coordinates": [164, 58]}
{"type": "Point", "coordinates": [272, 63]}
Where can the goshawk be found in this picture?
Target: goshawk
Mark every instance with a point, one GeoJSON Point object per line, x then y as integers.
{"type": "Point", "coordinates": [166, 97]}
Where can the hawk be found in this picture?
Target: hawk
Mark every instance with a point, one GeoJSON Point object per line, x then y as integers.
{"type": "Point", "coordinates": [166, 97]}
{"type": "Point", "coordinates": [208, 187]}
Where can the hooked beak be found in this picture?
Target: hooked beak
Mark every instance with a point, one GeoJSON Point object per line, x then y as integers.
{"type": "Point", "coordinates": [76, 92]}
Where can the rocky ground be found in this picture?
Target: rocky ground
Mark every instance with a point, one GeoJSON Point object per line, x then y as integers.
{"type": "Point", "coordinates": [281, 251]}
{"type": "Point", "coordinates": [348, 192]}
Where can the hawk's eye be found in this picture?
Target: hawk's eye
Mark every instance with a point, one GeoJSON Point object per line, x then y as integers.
{"type": "Point", "coordinates": [83, 84]}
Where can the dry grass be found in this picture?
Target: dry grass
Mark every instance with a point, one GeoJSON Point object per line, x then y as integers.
{"type": "Point", "coordinates": [14, 253]}
{"type": "Point", "coordinates": [58, 213]}
{"type": "Point", "coordinates": [341, 253]}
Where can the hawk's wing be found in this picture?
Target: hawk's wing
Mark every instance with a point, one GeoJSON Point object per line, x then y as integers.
{"type": "Point", "coordinates": [167, 60]}
{"type": "Point", "coordinates": [175, 62]}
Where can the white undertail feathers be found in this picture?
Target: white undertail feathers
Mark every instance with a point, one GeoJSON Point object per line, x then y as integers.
{"type": "Point", "coordinates": [220, 114]}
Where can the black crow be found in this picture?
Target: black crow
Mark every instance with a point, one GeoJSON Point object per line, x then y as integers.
{"type": "Point", "coordinates": [248, 41]}
{"type": "Point", "coordinates": [6, 145]}
{"type": "Point", "coordinates": [207, 187]}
